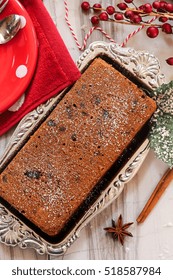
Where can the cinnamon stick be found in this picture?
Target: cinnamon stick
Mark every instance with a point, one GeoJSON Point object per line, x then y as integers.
{"type": "Point", "coordinates": [155, 196]}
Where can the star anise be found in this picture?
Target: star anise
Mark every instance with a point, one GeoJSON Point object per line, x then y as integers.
{"type": "Point", "coordinates": [119, 230]}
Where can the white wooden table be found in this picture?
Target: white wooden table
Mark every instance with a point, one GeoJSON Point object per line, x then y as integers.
{"type": "Point", "coordinates": [152, 239]}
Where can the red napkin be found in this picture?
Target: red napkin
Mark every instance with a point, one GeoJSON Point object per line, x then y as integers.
{"type": "Point", "coordinates": [55, 68]}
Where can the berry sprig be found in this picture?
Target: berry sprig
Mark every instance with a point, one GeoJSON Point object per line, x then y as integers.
{"type": "Point", "coordinates": [127, 12]}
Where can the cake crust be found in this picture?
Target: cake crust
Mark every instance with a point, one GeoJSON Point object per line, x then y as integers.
{"type": "Point", "coordinates": [75, 146]}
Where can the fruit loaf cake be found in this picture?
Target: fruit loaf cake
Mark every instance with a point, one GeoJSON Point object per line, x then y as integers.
{"type": "Point", "coordinates": [73, 149]}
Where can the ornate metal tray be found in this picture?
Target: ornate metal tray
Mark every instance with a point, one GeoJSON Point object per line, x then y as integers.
{"type": "Point", "coordinates": [146, 68]}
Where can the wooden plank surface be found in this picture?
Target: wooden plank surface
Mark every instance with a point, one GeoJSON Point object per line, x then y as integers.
{"type": "Point", "coordinates": [152, 239]}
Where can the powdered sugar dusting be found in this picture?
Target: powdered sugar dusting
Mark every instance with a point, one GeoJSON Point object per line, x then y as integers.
{"type": "Point", "coordinates": [75, 146]}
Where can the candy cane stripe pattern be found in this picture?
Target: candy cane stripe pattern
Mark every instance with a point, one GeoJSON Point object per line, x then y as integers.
{"type": "Point", "coordinates": [92, 29]}
{"type": "Point", "coordinates": [136, 31]}
{"type": "Point", "coordinates": [83, 46]}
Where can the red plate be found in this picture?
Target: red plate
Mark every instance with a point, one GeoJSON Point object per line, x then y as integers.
{"type": "Point", "coordinates": [17, 58]}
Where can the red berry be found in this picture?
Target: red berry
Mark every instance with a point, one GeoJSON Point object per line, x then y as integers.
{"type": "Point", "coordinates": [97, 7]}
{"type": "Point", "coordinates": [169, 7]}
{"type": "Point", "coordinates": [103, 16]}
{"type": "Point", "coordinates": [167, 28]}
{"type": "Point", "coordinates": [170, 60]}
{"type": "Point", "coordinates": [110, 10]}
{"type": "Point", "coordinates": [141, 8]}
{"type": "Point", "coordinates": [156, 5]}
{"type": "Point", "coordinates": [136, 19]}
{"type": "Point", "coordinates": [85, 6]}
{"type": "Point", "coordinates": [95, 20]}
{"type": "Point", "coordinates": [128, 1]}
{"type": "Point", "coordinates": [163, 19]}
{"type": "Point", "coordinates": [129, 14]}
{"type": "Point", "coordinates": [147, 8]}
{"type": "Point", "coordinates": [152, 31]}
{"type": "Point", "coordinates": [162, 6]}
{"type": "Point", "coordinates": [118, 16]}
{"type": "Point", "coordinates": [122, 6]}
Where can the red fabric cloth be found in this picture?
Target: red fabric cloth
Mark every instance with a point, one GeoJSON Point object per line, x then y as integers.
{"type": "Point", "coordinates": [55, 68]}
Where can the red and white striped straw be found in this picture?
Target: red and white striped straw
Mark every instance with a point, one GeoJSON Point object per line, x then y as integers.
{"type": "Point", "coordinates": [129, 36]}
{"type": "Point", "coordinates": [84, 44]}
